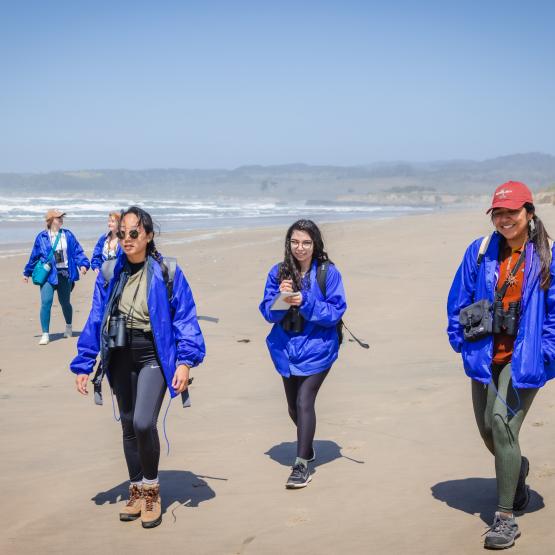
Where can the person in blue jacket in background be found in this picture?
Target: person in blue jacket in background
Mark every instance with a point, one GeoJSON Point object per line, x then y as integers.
{"type": "Point", "coordinates": [68, 263]}
{"type": "Point", "coordinates": [148, 338]}
{"type": "Point", "coordinates": [508, 363]}
{"type": "Point", "coordinates": [107, 246]}
{"type": "Point", "coordinates": [304, 341]}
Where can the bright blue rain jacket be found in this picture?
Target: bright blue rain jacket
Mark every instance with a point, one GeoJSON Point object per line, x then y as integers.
{"type": "Point", "coordinates": [176, 333]}
{"type": "Point", "coordinates": [97, 257]}
{"type": "Point", "coordinates": [533, 360]}
{"type": "Point", "coordinates": [316, 348]}
{"type": "Point", "coordinates": [41, 249]}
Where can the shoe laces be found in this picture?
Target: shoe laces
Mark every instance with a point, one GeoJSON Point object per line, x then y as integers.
{"type": "Point", "coordinates": [500, 526]}
{"type": "Point", "coordinates": [298, 470]}
{"type": "Point", "coordinates": [135, 493]}
{"type": "Point", "coordinates": [150, 496]}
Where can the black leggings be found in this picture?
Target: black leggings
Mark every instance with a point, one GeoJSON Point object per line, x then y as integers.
{"type": "Point", "coordinates": [139, 385]}
{"type": "Point", "coordinates": [301, 394]}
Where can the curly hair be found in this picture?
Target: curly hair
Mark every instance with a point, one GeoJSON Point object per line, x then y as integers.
{"type": "Point", "coordinates": [290, 268]}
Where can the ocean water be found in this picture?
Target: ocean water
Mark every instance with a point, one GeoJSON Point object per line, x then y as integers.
{"type": "Point", "coordinates": [21, 218]}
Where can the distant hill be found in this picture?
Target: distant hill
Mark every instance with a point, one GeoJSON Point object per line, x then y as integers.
{"type": "Point", "coordinates": [299, 181]}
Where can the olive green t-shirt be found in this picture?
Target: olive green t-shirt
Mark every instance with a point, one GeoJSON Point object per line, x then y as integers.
{"type": "Point", "coordinates": [136, 311]}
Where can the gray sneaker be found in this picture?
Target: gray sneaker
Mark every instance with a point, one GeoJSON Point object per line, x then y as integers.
{"type": "Point", "coordinates": [299, 477]}
{"type": "Point", "coordinates": [502, 533]}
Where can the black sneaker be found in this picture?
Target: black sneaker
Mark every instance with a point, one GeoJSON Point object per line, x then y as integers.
{"type": "Point", "coordinates": [522, 495]}
{"type": "Point", "coordinates": [503, 532]}
{"type": "Point", "coordinates": [299, 477]}
{"type": "Point", "coordinates": [313, 456]}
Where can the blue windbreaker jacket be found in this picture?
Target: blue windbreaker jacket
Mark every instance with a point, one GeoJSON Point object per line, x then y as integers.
{"type": "Point", "coordinates": [97, 257]}
{"type": "Point", "coordinates": [533, 360]}
{"type": "Point", "coordinates": [41, 249]}
{"type": "Point", "coordinates": [176, 332]}
{"type": "Point", "coordinates": [316, 348]}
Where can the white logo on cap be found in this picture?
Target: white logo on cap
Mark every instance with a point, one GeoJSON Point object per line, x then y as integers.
{"type": "Point", "coordinates": [503, 193]}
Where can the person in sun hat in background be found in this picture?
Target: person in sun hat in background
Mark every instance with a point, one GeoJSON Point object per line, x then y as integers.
{"type": "Point", "coordinates": [58, 247]}
{"type": "Point", "coordinates": [501, 318]}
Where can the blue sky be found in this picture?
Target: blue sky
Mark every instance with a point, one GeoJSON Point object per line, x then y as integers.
{"type": "Point", "coordinates": [95, 84]}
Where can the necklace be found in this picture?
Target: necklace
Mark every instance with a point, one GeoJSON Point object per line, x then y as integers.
{"type": "Point", "coordinates": [511, 278]}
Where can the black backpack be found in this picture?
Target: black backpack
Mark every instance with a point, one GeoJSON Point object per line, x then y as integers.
{"type": "Point", "coordinates": [321, 277]}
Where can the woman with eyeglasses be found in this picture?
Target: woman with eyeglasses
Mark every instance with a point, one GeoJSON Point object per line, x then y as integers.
{"type": "Point", "coordinates": [304, 340]}
{"type": "Point", "coordinates": [107, 246]}
{"type": "Point", "coordinates": [60, 249]}
{"type": "Point", "coordinates": [148, 336]}
{"type": "Point", "coordinates": [501, 311]}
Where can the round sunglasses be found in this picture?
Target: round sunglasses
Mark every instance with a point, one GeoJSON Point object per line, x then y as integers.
{"type": "Point", "coordinates": [133, 234]}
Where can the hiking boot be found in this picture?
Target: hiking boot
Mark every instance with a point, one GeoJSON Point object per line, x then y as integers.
{"type": "Point", "coordinates": [151, 510]}
{"type": "Point", "coordinates": [503, 532]}
{"type": "Point", "coordinates": [69, 331]}
{"type": "Point", "coordinates": [313, 456]}
{"type": "Point", "coordinates": [44, 339]}
{"type": "Point", "coordinates": [132, 509]}
{"type": "Point", "coordinates": [522, 495]}
{"type": "Point", "coordinates": [299, 477]}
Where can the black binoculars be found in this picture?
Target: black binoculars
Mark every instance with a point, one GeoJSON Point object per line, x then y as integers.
{"type": "Point", "coordinates": [117, 331]}
{"type": "Point", "coordinates": [506, 321]}
{"type": "Point", "coordinates": [293, 322]}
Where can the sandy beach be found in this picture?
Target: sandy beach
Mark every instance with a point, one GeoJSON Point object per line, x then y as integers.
{"type": "Point", "coordinates": [401, 467]}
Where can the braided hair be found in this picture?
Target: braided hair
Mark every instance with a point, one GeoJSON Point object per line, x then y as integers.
{"type": "Point", "coordinates": [145, 219]}
{"type": "Point", "coordinates": [290, 267]}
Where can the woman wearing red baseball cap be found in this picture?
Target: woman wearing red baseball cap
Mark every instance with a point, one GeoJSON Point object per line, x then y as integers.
{"type": "Point", "coordinates": [501, 311]}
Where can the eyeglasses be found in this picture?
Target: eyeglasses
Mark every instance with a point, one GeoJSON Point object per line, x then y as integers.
{"type": "Point", "coordinates": [304, 244]}
{"type": "Point", "coordinates": [133, 234]}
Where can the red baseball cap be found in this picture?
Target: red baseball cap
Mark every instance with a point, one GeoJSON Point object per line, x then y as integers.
{"type": "Point", "coordinates": [512, 195]}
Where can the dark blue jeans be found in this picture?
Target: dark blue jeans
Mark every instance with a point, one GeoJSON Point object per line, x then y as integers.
{"type": "Point", "coordinates": [47, 296]}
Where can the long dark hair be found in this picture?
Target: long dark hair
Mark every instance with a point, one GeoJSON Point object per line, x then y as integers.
{"type": "Point", "coordinates": [537, 234]}
{"type": "Point", "coordinates": [290, 268]}
{"type": "Point", "coordinates": [145, 219]}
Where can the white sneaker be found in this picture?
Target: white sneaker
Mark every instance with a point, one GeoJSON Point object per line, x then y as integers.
{"type": "Point", "coordinates": [45, 339]}
{"type": "Point", "coordinates": [69, 331]}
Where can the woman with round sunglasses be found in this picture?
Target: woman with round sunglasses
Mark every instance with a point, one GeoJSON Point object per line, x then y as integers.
{"type": "Point", "coordinates": [501, 312]}
{"type": "Point", "coordinates": [58, 247]}
{"type": "Point", "coordinates": [304, 340]}
{"type": "Point", "coordinates": [148, 338]}
{"type": "Point", "coordinates": [107, 246]}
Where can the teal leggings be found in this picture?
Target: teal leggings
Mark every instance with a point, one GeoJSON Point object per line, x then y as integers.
{"type": "Point", "coordinates": [47, 297]}
{"type": "Point", "coordinates": [499, 427]}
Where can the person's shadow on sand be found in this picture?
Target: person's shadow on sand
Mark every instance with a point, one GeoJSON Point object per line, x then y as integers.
{"type": "Point", "coordinates": [179, 486]}
{"type": "Point", "coordinates": [57, 336]}
{"type": "Point", "coordinates": [477, 495]}
{"type": "Point", "coordinates": [326, 452]}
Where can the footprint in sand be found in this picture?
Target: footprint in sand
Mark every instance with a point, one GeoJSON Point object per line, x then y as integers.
{"type": "Point", "coordinates": [297, 519]}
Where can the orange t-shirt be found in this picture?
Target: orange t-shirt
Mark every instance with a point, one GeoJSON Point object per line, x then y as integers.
{"type": "Point", "coordinates": [502, 343]}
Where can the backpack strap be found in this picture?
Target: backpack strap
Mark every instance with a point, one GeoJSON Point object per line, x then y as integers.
{"type": "Point", "coordinates": [321, 276]}
{"type": "Point", "coordinates": [483, 248]}
{"type": "Point", "coordinates": [171, 265]}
